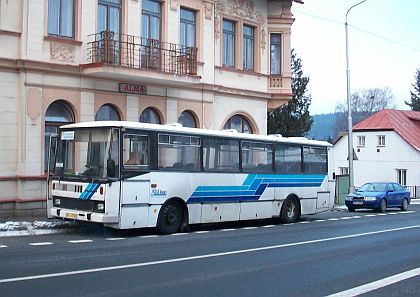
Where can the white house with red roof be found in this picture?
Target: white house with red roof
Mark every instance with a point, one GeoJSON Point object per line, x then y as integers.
{"type": "Point", "coordinates": [386, 147]}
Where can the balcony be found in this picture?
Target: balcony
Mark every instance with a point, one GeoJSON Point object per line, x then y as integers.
{"type": "Point", "coordinates": [275, 81]}
{"type": "Point", "coordinates": [279, 86]}
{"type": "Point", "coordinates": [126, 57]}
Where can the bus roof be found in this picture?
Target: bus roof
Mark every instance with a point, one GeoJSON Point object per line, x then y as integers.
{"type": "Point", "coordinates": [179, 129]}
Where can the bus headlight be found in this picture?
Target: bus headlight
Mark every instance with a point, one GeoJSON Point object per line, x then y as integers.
{"type": "Point", "coordinates": [57, 201]}
{"type": "Point", "coordinates": [100, 207]}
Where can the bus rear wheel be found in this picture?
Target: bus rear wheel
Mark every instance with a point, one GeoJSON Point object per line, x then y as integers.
{"type": "Point", "coordinates": [170, 218]}
{"type": "Point", "coordinates": [290, 211]}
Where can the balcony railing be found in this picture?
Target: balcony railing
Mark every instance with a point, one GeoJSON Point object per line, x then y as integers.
{"type": "Point", "coordinates": [137, 52]}
{"type": "Point", "coordinates": [276, 81]}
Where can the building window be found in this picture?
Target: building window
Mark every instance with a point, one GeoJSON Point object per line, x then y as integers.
{"type": "Point", "coordinates": [151, 19]}
{"type": "Point", "coordinates": [248, 48]}
{"type": "Point", "coordinates": [109, 12]}
{"type": "Point", "coordinates": [402, 176]}
{"type": "Point", "coordinates": [186, 119]}
{"type": "Point", "coordinates": [344, 170]}
{"type": "Point", "coordinates": [381, 140]}
{"type": "Point", "coordinates": [239, 123]}
{"type": "Point", "coordinates": [61, 18]}
{"type": "Point", "coordinates": [228, 43]}
{"type": "Point", "coordinates": [149, 115]}
{"type": "Point", "coordinates": [187, 28]}
{"type": "Point", "coordinates": [107, 113]}
{"type": "Point", "coordinates": [361, 140]}
{"type": "Point", "coordinates": [57, 114]}
{"type": "Point", "coordinates": [275, 53]}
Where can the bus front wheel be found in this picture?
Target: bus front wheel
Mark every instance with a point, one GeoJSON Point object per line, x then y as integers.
{"type": "Point", "coordinates": [170, 218]}
{"type": "Point", "coordinates": [290, 211]}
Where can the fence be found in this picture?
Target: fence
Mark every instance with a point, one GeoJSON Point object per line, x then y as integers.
{"type": "Point", "coordinates": [137, 52]}
{"type": "Point", "coordinates": [414, 191]}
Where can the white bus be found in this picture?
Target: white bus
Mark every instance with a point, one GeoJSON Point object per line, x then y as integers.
{"type": "Point", "coordinates": [135, 175]}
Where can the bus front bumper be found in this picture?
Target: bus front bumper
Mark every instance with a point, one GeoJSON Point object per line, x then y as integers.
{"type": "Point", "coordinates": [79, 215]}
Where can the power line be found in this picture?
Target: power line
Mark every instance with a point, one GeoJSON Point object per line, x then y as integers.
{"type": "Point", "coordinates": [359, 29]}
{"type": "Point", "coordinates": [386, 39]}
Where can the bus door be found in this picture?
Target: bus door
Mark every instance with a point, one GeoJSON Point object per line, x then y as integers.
{"type": "Point", "coordinates": [50, 166]}
{"type": "Point", "coordinates": [136, 179]}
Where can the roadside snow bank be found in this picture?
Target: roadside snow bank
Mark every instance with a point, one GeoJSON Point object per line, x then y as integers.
{"type": "Point", "coordinates": [16, 228]}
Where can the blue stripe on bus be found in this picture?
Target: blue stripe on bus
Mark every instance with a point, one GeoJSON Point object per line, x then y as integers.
{"type": "Point", "coordinates": [254, 186]}
{"type": "Point", "coordinates": [222, 193]}
{"type": "Point", "coordinates": [223, 199]}
{"type": "Point", "coordinates": [89, 191]}
{"type": "Point", "coordinates": [291, 185]}
{"type": "Point", "coordinates": [261, 189]}
{"type": "Point", "coordinates": [221, 188]}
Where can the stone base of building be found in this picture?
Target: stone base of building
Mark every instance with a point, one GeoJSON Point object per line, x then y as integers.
{"type": "Point", "coordinates": [22, 209]}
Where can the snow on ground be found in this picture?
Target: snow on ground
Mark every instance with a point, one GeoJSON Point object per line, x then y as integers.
{"type": "Point", "coordinates": [17, 228]}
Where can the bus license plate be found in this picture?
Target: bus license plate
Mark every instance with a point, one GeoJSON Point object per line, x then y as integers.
{"type": "Point", "coordinates": [72, 216]}
{"type": "Point", "coordinates": [358, 202]}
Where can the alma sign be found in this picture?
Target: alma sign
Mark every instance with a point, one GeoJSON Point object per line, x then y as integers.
{"type": "Point", "coordinates": [132, 88]}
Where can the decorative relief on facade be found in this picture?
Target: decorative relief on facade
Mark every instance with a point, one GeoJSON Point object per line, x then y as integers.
{"type": "Point", "coordinates": [243, 9]}
{"type": "Point", "coordinates": [208, 10]}
{"type": "Point", "coordinates": [174, 4]}
{"type": "Point", "coordinates": [62, 52]}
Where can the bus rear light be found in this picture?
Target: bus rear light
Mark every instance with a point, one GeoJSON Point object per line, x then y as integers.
{"type": "Point", "coordinates": [101, 190]}
{"type": "Point", "coordinates": [53, 186]}
{"type": "Point", "coordinates": [153, 186]}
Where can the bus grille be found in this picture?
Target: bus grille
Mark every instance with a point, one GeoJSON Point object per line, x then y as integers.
{"type": "Point", "coordinates": [77, 204]}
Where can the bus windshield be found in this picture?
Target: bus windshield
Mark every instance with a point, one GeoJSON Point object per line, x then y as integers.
{"type": "Point", "coordinates": [88, 153]}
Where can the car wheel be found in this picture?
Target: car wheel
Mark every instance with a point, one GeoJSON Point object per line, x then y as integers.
{"type": "Point", "coordinates": [382, 206]}
{"type": "Point", "coordinates": [290, 211]}
{"type": "Point", "coordinates": [170, 218]}
{"type": "Point", "coordinates": [404, 205]}
{"type": "Point", "coordinates": [351, 209]}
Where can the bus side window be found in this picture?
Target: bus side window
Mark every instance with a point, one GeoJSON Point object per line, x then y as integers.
{"type": "Point", "coordinates": [288, 158]}
{"type": "Point", "coordinates": [136, 150]}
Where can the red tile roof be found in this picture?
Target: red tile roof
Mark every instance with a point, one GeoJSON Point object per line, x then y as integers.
{"type": "Point", "coordinates": [405, 122]}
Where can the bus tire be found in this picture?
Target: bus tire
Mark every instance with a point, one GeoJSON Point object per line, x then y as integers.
{"type": "Point", "coordinates": [290, 210]}
{"type": "Point", "coordinates": [171, 217]}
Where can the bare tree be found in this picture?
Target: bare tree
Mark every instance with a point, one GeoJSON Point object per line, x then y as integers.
{"type": "Point", "coordinates": [364, 103]}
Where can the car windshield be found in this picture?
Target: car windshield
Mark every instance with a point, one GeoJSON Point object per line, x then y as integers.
{"type": "Point", "coordinates": [87, 153]}
{"type": "Point", "coordinates": [372, 187]}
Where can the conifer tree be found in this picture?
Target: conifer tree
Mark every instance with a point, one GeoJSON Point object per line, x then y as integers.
{"type": "Point", "coordinates": [415, 95]}
{"type": "Point", "coordinates": [293, 118]}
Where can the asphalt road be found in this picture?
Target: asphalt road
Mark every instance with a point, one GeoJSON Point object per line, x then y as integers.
{"type": "Point", "coordinates": [335, 252]}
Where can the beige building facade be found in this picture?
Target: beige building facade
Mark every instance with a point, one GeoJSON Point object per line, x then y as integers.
{"type": "Point", "coordinates": [214, 64]}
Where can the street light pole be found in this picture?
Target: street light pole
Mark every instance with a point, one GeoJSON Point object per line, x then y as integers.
{"type": "Point", "coordinates": [350, 121]}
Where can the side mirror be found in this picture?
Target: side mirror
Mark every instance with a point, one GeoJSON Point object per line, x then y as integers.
{"type": "Point", "coordinates": [110, 167]}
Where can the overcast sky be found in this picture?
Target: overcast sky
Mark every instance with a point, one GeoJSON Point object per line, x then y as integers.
{"type": "Point", "coordinates": [384, 47]}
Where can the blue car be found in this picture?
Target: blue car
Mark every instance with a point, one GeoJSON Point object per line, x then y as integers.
{"type": "Point", "coordinates": [379, 196]}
